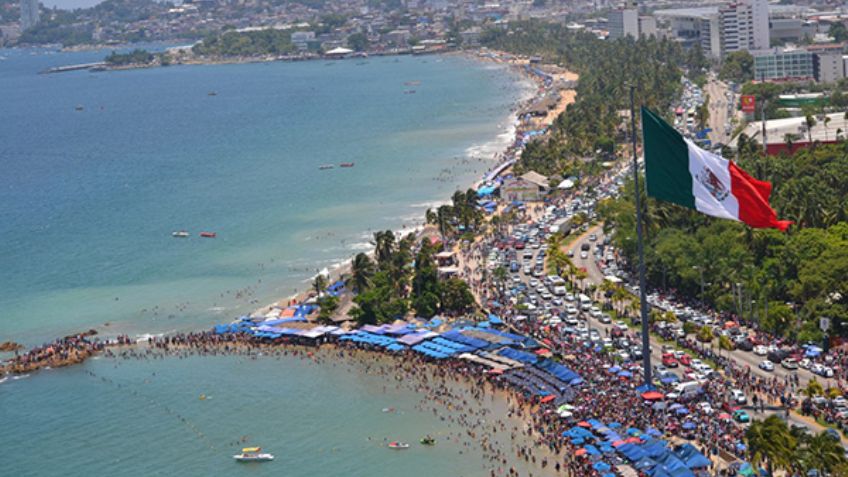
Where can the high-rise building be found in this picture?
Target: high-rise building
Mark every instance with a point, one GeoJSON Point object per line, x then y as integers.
{"type": "Point", "coordinates": [624, 21]}
{"type": "Point", "coordinates": [744, 26]}
{"type": "Point", "coordinates": [29, 14]}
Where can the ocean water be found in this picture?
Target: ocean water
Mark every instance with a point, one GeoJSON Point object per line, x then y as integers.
{"type": "Point", "coordinates": [146, 418]}
{"type": "Point", "coordinates": [100, 168]}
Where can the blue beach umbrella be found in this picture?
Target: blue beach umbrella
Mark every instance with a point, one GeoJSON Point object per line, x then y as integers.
{"type": "Point", "coordinates": [682, 411]}
{"type": "Point", "coordinates": [653, 432]}
{"type": "Point", "coordinates": [601, 466]}
{"type": "Point", "coordinates": [625, 374]}
{"type": "Point", "coordinates": [614, 425]}
{"type": "Point", "coordinates": [688, 425]}
{"type": "Point", "coordinates": [615, 369]}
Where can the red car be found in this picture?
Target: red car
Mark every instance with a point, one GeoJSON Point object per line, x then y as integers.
{"type": "Point", "coordinates": [685, 360]}
{"type": "Point", "coordinates": [669, 361]}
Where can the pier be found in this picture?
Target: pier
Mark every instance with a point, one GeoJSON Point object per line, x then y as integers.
{"type": "Point", "coordinates": [82, 66]}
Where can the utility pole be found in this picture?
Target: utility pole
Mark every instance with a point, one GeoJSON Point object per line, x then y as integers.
{"type": "Point", "coordinates": [643, 300]}
{"type": "Point", "coordinates": [765, 139]}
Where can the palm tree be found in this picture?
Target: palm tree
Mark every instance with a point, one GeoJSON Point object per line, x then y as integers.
{"type": "Point", "coordinates": [319, 283]}
{"type": "Point", "coordinates": [362, 270]}
{"type": "Point", "coordinates": [810, 121]}
{"type": "Point", "coordinates": [824, 453]}
{"type": "Point", "coordinates": [826, 120]}
{"type": "Point", "coordinates": [814, 388]}
{"type": "Point", "coordinates": [770, 442]}
{"type": "Point", "coordinates": [384, 246]}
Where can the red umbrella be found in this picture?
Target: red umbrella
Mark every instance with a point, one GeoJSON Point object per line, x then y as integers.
{"type": "Point", "coordinates": [543, 352]}
{"type": "Point", "coordinates": [633, 440]}
{"type": "Point", "coordinates": [548, 398]}
{"type": "Point", "coordinates": [652, 396]}
{"type": "Point", "coordinates": [724, 416]}
{"type": "Point", "coordinates": [584, 424]}
{"type": "Point", "coordinates": [618, 443]}
{"type": "Point", "coordinates": [580, 451]}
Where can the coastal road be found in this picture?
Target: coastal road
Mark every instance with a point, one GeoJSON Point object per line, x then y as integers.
{"type": "Point", "coordinates": [596, 276]}
{"type": "Point", "coordinates": [718, 107]}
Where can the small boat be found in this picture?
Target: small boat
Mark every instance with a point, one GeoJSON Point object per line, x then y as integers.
{"type": "Point", "coordinates": [213, 93]}
{"type": "Point", "coordinates": [208, 234]}
{"type": "Point", "coordinates": [325, 167]}
{"type": "Point", "coordinates": [346, 164]}
{"type": "Point", "coordinates": [180, 234]}
{"type": "Point", "coordinates": [409, 91]}
{"type": "Point", "coordinates": [428, 441]}
{"type": "Point", "coordinates": [79, 107]}
{"type": "Point", "coordinates": [412, 83]}
{"type": "Point", "coordinates": [398, 445]}
{"type": "Point", "coordinates": [253, 454]}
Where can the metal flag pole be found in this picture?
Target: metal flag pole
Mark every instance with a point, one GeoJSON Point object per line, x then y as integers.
{"type": "Point", "coordinates": [643, 301]}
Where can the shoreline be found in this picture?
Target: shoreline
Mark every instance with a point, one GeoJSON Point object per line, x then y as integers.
{"type": "Point", "coordinates": [533, 88]}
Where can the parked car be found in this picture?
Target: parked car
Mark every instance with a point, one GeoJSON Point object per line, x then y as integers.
{"type": "Point", "coordinates": [767, 365]}
{"type": "Point", "coordinates": [741, 416]}
{"type": "Point", "coordinates": [760, 350]}
{"type": "Point", "coordinates": [738, 396]}
{"type": "Point", "coordinates": [789, 363]}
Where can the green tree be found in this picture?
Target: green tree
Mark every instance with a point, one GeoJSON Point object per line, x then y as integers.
{"type": "Point", "coordinates": [838, 32]}
{"type": "Point", "coordinates": [738, 67]}
{"type": "Point", "coordinates": [456, 296]}
{"type": "Point", "coordinates": [328, 305]}
{"type": "Point", "coordinates": [358, 42]}
{"type": "Point", "coordinates": [319, 284]}
{"type": "Point", "coordinates": [362, 269]}
{"type": "Point", "coordinates": [770, 443]}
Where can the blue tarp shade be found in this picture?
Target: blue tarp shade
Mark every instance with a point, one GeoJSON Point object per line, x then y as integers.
{"type": "Point", "coordinates": [558, 370]}
{"type": "Point", "coordinates": [520, 356]}
{"type": "Point", "coordinates": [493, 319]}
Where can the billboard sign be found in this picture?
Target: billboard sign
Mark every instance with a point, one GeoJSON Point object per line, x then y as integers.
{"type": "Point", "coordinates": [749, 103]}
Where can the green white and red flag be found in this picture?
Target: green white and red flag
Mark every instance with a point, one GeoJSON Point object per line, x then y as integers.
{"type": "Point", "coordinates": [678, 171]}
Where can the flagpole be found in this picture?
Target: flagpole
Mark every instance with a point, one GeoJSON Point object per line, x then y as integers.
{"type": "Point", "coordinates": [643, 301]}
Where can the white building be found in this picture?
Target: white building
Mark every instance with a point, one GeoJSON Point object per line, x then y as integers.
{"type": "Point", "coordinates": [694, 26]}
{"type": "Point", "coordinates": [744, 26]}
{"type": "Point", "coordinates": [828, 67]}
{"type": "Point", "coordinates": [736, 26]}
{"type": "Point", "coordinates": [30, 14]}
{"type": "Point", "coordinates": [647, 26]}
{"type": "Point", "coordinates": [623, 22]}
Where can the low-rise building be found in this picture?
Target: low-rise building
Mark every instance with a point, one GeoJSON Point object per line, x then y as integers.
{"type": "Point", "coordinates": [530, 187]}
{"type": "Point", "coordinates": [783, 64]}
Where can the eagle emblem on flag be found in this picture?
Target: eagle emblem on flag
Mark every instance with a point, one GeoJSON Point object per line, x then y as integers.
{"type": "Point", "coordinates": [712, 183]}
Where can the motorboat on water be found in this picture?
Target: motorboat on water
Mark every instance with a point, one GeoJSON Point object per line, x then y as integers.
{"type": "Point", "coordinates": [398, 445]}
{"type": "Point", "coordinates": [428, 441]}
{"type": "Point", "coordinates": [253, 454]}
{"type": "Point", "coordinates": [346, 164]}
{"type": "Point", "coordinates": [325, 167]}
{"type": "Point", "coordinates": [208, 234]}
{"type": "Point", "coordinates": [180, 234]}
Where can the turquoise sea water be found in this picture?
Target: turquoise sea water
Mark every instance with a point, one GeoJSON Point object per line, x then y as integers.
{"type": "Point", "coordinates": [100, 168]}
{"type": "Point", "coordinates": [145, 418]}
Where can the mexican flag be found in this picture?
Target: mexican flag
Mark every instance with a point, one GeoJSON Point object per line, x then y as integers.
{"type": "Point", "coordinates": [678, 171]}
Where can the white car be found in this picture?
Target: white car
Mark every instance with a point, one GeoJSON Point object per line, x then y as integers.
{"type": "Point", "coordinates": [705, 408]}
{"type": "Point", "coordinates": [760, 350]}
{"type": "Point", "coordinates": [595, 312]}
{"type": "Point", "coordinates": [767, 365]}
{"type": "Point", "coordinates": [584, 255]}
{"type": "Point", "coordinates": [738, 396]}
